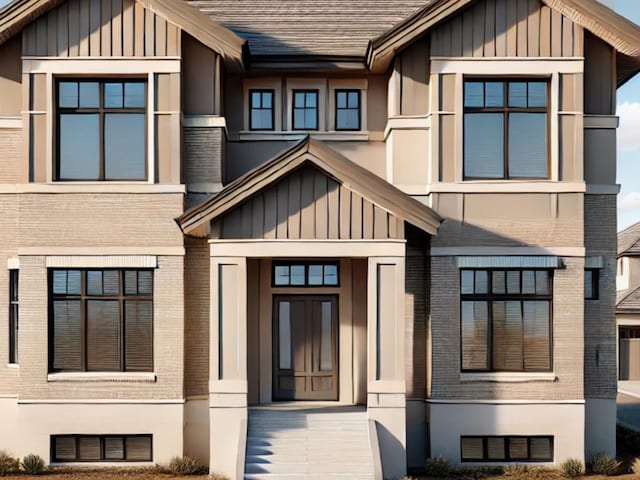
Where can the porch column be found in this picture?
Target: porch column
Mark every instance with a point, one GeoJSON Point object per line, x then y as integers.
{"type": "Point", "coordinates": [386, 368]}
{"type": "Point", "coordinates": [228, 366]}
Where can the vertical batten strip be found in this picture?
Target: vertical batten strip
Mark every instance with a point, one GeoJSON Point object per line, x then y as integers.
{"type": "Point", "coordinates": [138, 29]}
{"type": "Point", "coordinates": [501, 28]}
{"type": "Point", "coordinates": [545, 31]}
{"type": "Point", "coordinates": [533, 28]}
{"type": "Point", "coordinates": [73, 19]}
{"type": "Point", "coordinates": [116, 28]}
{"type": "Point", "coordinates": [83, 49]}
{"type": "Point", "coordinates": [106, 29]}
{"type": "Point", "coordinates": [127, 28]}
{"type": "Point", "coordinates": [95, 9]}
{"type": "Point", "coordinates": [512, 27]}
{"type": "Point", "coordinates": [490, 28]}
{"type": "Point", "coordinates": [52, 26]}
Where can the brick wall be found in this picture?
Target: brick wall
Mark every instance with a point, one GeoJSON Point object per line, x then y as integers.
{"type": "Point", "coordinates": [11, 157]}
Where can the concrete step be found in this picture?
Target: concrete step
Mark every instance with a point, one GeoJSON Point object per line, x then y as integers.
{"type": "Point", "coordinates": [297, 476]}
{"type": "Point", "coordinates": [305, 468]}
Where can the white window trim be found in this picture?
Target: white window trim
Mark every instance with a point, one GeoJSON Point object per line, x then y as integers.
{"type": "Point", "coordinates": [274, 84]}
{"type": "Point", "coordinates": [112, 67]}
{"type": "Point", "coordinates": [347, 84]}
{"type": "Point", "coordinates": [307, 84]}
{"type": "Point", "coordinates": [115, 261]}
{"type": "Point", "coordinates": [550, 68]}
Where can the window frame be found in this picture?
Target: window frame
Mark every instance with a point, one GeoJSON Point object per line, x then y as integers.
{"type": "Point", "coordinates": [507, 439]}
{"type": "Point", "coordinates": [306, 91]}
{"type": "Point", "coordinates": [357, 91]}
{"type": "Point", "coordinates": [102, 438]}
{"type": "Point", "coordinates": [489, 298]}
{"type": "Point", "coordinates": [84, 298]}
{"type": "Point", "coordinates": [595, 283]}
{"type": "Point", "coordinates": [14, 313]}
{"type": "Point", "coordinates": [506, 110]}
{"type": "Point", "coordinates": [261, 91]}
{"type": "Point", "coordinates": [102, 111]}
{"type": "Point", "coordinates": [306, 264]}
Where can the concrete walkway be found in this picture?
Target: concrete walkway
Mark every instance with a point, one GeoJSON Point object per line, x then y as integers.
{"type": "Point", "coordinates": [629, 404]}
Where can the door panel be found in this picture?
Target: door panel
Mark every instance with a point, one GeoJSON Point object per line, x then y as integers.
{"type": "Point", "coordinates": [305, 347]}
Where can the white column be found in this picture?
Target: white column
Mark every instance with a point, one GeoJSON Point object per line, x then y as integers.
{"type": "Point", "coordinates": [386, 387]}
{"type": "Point", "coordinates": [228, 366]}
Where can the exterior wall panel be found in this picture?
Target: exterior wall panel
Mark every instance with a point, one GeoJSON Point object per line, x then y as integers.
{"type": "Point", "coordinates": [104, 28]}
{"type": "Point", "coordinates": [507, 28]}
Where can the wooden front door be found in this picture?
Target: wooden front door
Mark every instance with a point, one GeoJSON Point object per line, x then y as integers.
{"type": "Point", "coordinates": [305, 338]}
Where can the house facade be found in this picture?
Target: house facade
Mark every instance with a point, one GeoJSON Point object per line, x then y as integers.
{"type": "Point", "coordinates": [216, 211]}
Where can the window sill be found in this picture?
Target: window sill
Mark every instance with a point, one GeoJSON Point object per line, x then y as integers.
{"type": "Point", "coordinates": [299, 135]}
{"type": "Point", "coordinates": [509, 377]}
{"type": "Point", "coordinates": [108, 377]}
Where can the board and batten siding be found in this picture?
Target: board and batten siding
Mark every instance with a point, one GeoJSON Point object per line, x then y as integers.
{"type": "Point", "coordinates": [101, 28]}
{"type": "Point", "coordinates": [508, 28]}
{"type": "Point", "coordinates": [308, 205]}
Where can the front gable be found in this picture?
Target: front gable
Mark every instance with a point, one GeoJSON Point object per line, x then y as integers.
{"type": "Point", "coordinates": [308, 204]}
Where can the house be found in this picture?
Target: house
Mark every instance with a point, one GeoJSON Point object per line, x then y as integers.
{"type": "Point", "coordinates": [231, 227]}
{"type": "Point", "coordinates": [627, 306]}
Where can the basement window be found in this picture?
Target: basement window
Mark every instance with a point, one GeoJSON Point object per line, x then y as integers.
{"type": "Point", "coordinates": [101, 448]}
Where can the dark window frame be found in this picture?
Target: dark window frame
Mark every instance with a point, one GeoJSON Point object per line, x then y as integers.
{"type": "Point", "coordinates": [83, 297]}
{"type": "Point", "coordinates": [306, 264]}
{"type": "Point", "coordinates": [595, 283]}
{"type": "Point", "coordinates": [492, 297]}
{"type": "Point", "coordinates": [262, 91]}
{"type": "Point", "coordinates": [506, 110]}
{"type": "Point", "coordinates": [101, 437]}
{"type": "Point", "coordinates": [359, 109]}
{"type": "Point", "coordinates": [316, 92]}
{"type": "Point", "coordinates": [507, 458]}
{"type": "Point", "coordinates": [14, 302]}
{"type": "Point", "coordinates": [101, 111]}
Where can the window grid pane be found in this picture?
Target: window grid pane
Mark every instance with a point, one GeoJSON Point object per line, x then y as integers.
{"type": "Point", "coordinates": [504, 328]}
{"type": "Point", "coordinates": [312, 274]}
{"type": "Point", "coordinates": [93, 328]}
{"type": "Point", "coordinates": [347, 109]}
{"type": "Point", "coordinates": [261, 111]}
{"type": "Point", "coordinates": [305, 109]}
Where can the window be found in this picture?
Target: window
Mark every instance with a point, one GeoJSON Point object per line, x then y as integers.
{"type": "Point", "coordinates": [101, 448]}
{"type": "Point", "coordinates": [305, 274]}
{"type": "Point", "coordinates": [505, 129]}
{"type": "Point", "coordinates": [591, 283]}
{"type": "Point", "coordinates": [13, 316]}
{"type": "Point", "coordinates": [506, 320]}
{"type": "Point", "coordinates": [101, 320]}
{"type": "Point", "coordinates": [347, 109]}
{"type": "Point", "coordinates": [101, 130]}
{"type": "Point", "coordinates": [506, 449]}
{"type": "Point", "coordinates": [305, 109]}
{"type": "Point", "coordinates": [261, 110]}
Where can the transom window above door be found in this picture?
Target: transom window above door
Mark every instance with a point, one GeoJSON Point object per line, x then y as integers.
{"type": "Point", "coordinates": [101, 130]}
{"type": "Point", "coordinates": [308, 274]}
{"type": "Point", "coordinates": [506, 129]}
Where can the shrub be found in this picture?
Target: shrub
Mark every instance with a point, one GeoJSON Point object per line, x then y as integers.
{"type": "Point", "coordinates": [217, 476]}
{"type": "Point", "coordinates": [33, 464]}
{"type": "Point", "coordinates": [603, 464]}
{"type": "Point", "coordinates": [515, 470]}
{"type": "Point", "coordinates": [635, 466]}
{"type": "Point", "coordinates": [186, 466]}
{"type": "Point", "coordinates": [476, 473]}
{"type": "Point", "coordinates": [572, 468]}
{"type": "Point", "coordinates": [8, 464]}
{"type": "Point", "coordinates": [438, 467]}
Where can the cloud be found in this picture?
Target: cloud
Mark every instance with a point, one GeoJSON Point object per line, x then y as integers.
{"type": "Point", "coordinates": [629, 201]}
{"type": "Point", "coordinates": [628, 137]}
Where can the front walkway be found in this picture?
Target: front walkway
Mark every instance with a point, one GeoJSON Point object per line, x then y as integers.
{"type": "Point", "coordinates": [629, 404]}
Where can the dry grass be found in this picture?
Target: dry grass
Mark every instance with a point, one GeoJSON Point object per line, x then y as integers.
{"type": "Point", "coordinates": [105, 474]}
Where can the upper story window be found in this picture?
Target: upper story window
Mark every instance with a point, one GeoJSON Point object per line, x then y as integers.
{"type": "Point", "coordinates": [261, 113]}
{"type": "Point", "coordinates": [13, 315]}
{"type": "Point", "coordinates": [305, 109]}
{"type": "Point", "coordinates": [101, 320]}
{"type": "Point", "coordinates": [505, 318]}
{"type": "Point", "coordinates": [347, 110]}
{"type": "Point", "coordinates": [101, 130]}
{"type": "Point", "coordinates": [506, 129]}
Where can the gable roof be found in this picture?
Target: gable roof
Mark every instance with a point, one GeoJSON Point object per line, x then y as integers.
{"type": "Point", "coordinates": [629, 240]}
{"type": "Point", "coordinates": [358, 179]}
{"type": "Point", "coordinates": [19, 13]}
{"type": "Point", "coordinates": [600, 20]}
{"type": "Point", "coordinates": [628, 301]}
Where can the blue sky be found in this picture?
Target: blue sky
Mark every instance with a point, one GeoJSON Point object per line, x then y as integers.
{"type": "Point", "coordinates": [628, 172]}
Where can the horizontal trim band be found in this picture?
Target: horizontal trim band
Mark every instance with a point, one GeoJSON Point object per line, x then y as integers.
{"type": "Point", "coordinates": [506, 65]}
{"type": "Point", "coordinates": [307, 248]}
{"type": "Point", "coordinates": [601, 121]}
{"type": "Point", "coordinates": [101, 401]}
{"type": "Point", "coordinates": [505, 402]}
{"type": "Point", "coordinates": [594, 262]}
{"type": "Point", "coordinates": [505, 251]}
{"type": "Point", "coordinates": [92, 187]}
{"type": "Point", "coordinates": [168, 251]}
{"type": "Point", "coordinates": [297, 136]}
{"type": "Point", "coordinates": [601, 189]}
{"type": "Point", "coordinates": [508, 377]}
{"type": "Point", "coordinates": [112, 65]}
{"type": "Point", "coordinates": [109, 377]}
{"type": "Point", "coordinates": [13, 122]}
{"type": "Point", "coordinates": [509, 261]}
{"type": "Point", "coordinates": [204, 187]}
{"type": "Point", "coordinates": [507, 186]}
{"type": "Point", "coordinates": [204, 121]}
{"type": "Point", "coordinates": [103, 261]}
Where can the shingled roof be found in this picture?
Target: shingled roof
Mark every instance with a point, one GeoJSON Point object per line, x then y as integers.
{"type": "Point", "coordinates": [628, 301]}
{"type": "Point", "coordinates": [629, 240]}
